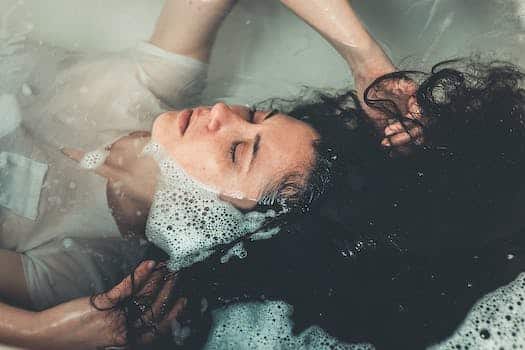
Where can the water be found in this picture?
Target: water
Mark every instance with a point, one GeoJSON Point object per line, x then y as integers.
{"type": "Point", "coordinates": [264, 51]}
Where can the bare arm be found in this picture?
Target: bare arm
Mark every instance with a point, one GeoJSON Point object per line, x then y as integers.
{"type": "Point", "coordinates": [16, 326]}
{"type": "Point", "coordinates": [188, 27]}
{"type": "Point", "coordinates": [339, 24]}
{"type": "Point", "coordinates": [77, 324]}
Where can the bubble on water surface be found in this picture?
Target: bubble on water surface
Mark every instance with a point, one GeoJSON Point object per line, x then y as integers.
{"type": "Point", "coordinates": [497, 321]}
{"type": "Point", "coordinates": [267, 325]}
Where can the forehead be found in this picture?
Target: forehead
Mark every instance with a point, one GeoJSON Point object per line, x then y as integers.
{"type": "Point", "coordinates": [286, 146]}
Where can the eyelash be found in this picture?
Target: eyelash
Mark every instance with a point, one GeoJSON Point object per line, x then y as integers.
{"type": "Point", "coordinates": [251, 118]}
{"type": "Point", "coordinates": [232, 150]}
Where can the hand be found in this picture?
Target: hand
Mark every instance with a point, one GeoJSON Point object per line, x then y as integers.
{"type": "Point", "coordinates": [79, 324]}
{"type": "Point", "coordinates": [398, 133]}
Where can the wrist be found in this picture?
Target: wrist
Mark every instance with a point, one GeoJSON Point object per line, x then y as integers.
{"type": "Point", "coordinates": [63, 326]}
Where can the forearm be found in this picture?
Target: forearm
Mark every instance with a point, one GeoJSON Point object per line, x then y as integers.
{"type": "Point", "coordinates": [188, 27]}
{"type": "Point", "coordinates": [339, 24]}
{"type": "Point", "coordinates": [71, 325]}
{"type": "Point", "coordinates": [17, 326]}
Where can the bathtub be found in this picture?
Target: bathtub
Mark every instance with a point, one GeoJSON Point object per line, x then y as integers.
{"type": "Point", "coordinates": [415, 33]}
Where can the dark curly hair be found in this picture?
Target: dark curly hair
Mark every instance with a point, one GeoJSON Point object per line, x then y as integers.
{"type": "Point", "coordinates": [392, 250]}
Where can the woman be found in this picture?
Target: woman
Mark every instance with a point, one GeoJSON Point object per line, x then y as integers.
{"type": "Point", "coordinates": [62, 242]}
{"type": "Point", "coordinates": [129, 196]}
{"type": "Point", "coordinates": [94, 102]}
{"type": "Point", "coordinates": [377, 230]}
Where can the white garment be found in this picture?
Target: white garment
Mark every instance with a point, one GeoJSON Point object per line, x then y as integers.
{"type": "Point", "coordinates": [9, 114]}
{"type": "Point", "coordinates": [21, 181]}
{"type": "Point", "coordinates": [82, 102]}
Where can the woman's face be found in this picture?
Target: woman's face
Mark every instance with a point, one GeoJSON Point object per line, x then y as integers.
{"type": "Point", "coordinates": [234, 151]}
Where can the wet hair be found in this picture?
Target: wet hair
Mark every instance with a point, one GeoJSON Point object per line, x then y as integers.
{"type": "Point", "coordinates": [385, 248]}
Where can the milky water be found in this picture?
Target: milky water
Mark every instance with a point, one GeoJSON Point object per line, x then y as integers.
{"type": "Point", "coordinates": [252, 53]}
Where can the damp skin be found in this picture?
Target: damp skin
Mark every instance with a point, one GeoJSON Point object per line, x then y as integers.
{"type": "Point", "coordinates": [188, 221]}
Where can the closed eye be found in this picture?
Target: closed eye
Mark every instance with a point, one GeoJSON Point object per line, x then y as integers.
{"type": "Point", "coordinates": [251, 118]}
{"type": "Point", "coordinates": [233, 150]}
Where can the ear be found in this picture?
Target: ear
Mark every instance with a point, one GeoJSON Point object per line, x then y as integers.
{"type": "Point", "coordinates": [239, 203]}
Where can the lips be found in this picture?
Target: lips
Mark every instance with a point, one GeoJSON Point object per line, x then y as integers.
{"type": "Point", "coordinates": [183, 120]}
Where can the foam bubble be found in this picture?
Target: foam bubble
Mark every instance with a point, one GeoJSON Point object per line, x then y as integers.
{"type": "Point", "coordinates": [267, 325]}
{"type": "Point", "coordinates": [497, 321]}
{"type": "Point", "coordinates": [237, 250]}
{"type": "Point", "coordinates": [94, 159]}
{"type": "Point", "coordinates": [188, 220]}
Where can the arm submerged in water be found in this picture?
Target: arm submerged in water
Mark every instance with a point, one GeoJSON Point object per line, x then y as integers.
{"type": "Point", "coordinates": [87, 323]}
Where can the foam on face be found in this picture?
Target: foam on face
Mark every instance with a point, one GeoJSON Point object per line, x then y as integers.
{"type": "Point", "coordinates": [187, 220]}
{"type": "Point", "coordinates": [267, 325]}
{"type": "Point", "coordinates": [497, 321]}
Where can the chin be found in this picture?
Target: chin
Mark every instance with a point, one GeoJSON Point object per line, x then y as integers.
{"type": "Point", "coordinates": [161, 125]}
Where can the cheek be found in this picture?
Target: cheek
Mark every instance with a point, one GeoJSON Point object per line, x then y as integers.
{"type": "Point", "coordinates": [202, 162]}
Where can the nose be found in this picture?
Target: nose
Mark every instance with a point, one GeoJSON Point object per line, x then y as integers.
{"type": "Point", "coordinates": [220, 115]}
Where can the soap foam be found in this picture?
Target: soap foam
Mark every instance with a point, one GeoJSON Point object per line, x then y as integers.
{"type": "Point", "coordinates": [188, 221]}
{"type": "Point", "coordinates": [94, 159]}
{"type": "Point", "coordinates": [497, 321]}
{"type": "Point", "coordinates": [267, 325]}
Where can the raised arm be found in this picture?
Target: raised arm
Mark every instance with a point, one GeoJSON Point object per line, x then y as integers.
{"type": "Point", "coordinates": [188, 27]}
{"type": "Point", "coordinates": [339, 24]}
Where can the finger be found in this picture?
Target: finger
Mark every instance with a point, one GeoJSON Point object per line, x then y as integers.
{"type": "Point", "coordinates": [413, 135]}
{"type": "Point", "coordinates": [158, 274]}
{"type": "Point", "coordinates": [160, 305]}
{"type": "Point", "coordinates": [103, 170]}
{"type": "Point", "coordinates": [73, 154]}
{"type": "Point", "coordinates": [136, 279]}
{"type": "Point", "coordinates": [165, 324]}
{"type": "Point", "coordinates": [394, 129]}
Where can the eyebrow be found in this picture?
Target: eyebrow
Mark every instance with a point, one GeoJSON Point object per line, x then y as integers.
{"type": "Point", "coordinates": [257, 142]}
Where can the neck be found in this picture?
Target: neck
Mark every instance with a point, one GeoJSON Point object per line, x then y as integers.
{"type": "Point", "coordinates": [130, 191]}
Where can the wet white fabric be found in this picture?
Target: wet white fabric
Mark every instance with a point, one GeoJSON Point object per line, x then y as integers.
{"type": "Point", "coordinates": [81, 101]}
{"type": "Point", "coordinates": [267, 325]}
{"type": "Point", "coordinates": [21, 181]}
{"type": "Point", "coordinates": [9, 114]}
{"type": "Point", "coordinates": [187, 220]}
